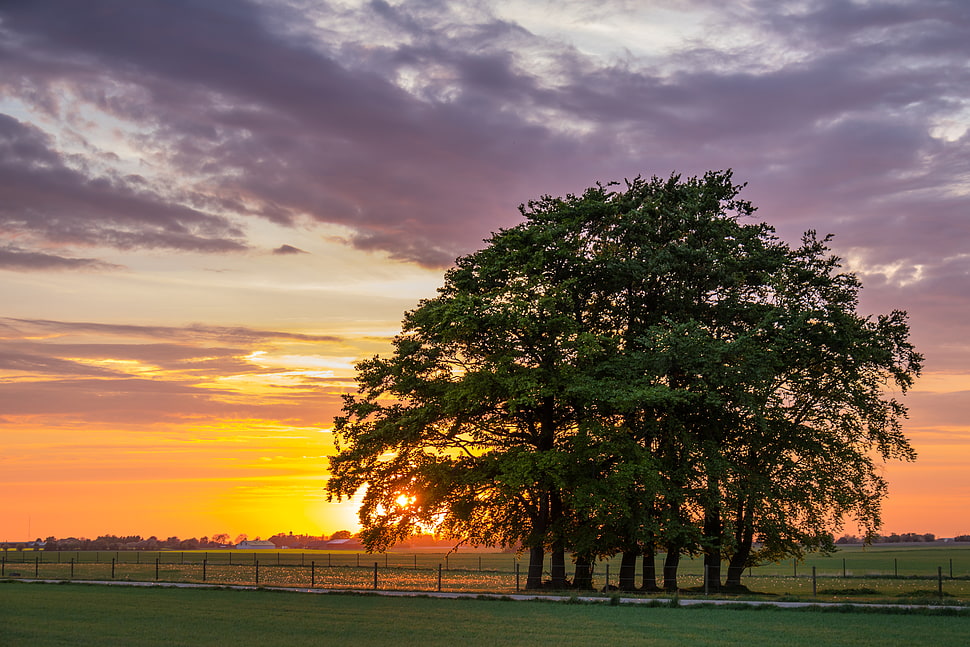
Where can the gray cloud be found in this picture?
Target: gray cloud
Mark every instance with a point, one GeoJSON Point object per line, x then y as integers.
{"type": "Point", "coordinates": [194, 332]}
{"type": "Point", "coordinates": [16, 360]}
{"type": "Point", "coordinates": [287, 250]}
{"type": "Point", "coordinates": [15, 258]}
{"type": "Point", "coordinates": [64, 372]}
{"type": "Point", "coordinates": [46, 198]}
{"type": "Point", "coordinates": [421, 126]}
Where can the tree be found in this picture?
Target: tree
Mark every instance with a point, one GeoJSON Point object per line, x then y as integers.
{"type": "Point", "coordinates": [624, 370]}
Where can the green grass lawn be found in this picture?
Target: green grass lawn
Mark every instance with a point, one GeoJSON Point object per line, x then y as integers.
{"type": "Point", "coordinates": [74, 614]}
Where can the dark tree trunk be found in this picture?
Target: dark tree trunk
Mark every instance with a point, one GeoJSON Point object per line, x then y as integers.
{"type": "Point", "coordinates": [558, 567]}
{"type": "Point", "coordinates": [650, 568]}
{"type": "Point", "coordinates": [537, 556]}
{"type": "Point", "coordinates": [744, 538]}
{"type": "Point", "coordinates": [671, 562]}
{"type": "Point", "coordinates": [557, 564]}
{"type": "Point", "coordinates": [583, 579]}
{"type": "Point", "coordinates": [712, 570]}
{"type": "Point", "coordinates": [713, 531]}
{"type": "Point", "coordinates": [739, 560]}
{"type": "Point", "coordinates": [628, 571]}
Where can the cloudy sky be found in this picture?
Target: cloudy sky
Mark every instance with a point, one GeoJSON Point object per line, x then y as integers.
{"type": "Point", "coordinates": [209, 210]}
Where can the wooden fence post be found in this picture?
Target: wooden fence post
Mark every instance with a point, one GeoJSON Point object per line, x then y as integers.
{"type": "Point", "coordinates": [313, 574]}
{"type": "Point", "coordinates": [939, 580]}
{"type": "Point", "coordinates": [516, 577]}
{"type": "Point", "coordinates": [814, 588]}
{"type": "Point", "coordinates": [439, 576]}
{"type": "Point", "coordinates": [375, 576]}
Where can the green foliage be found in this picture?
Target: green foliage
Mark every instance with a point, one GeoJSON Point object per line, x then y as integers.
{"type": "Point", "coordinates": [627, 368]}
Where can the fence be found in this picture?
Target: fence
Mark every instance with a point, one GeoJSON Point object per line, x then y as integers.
{"type": "Point", "coordinates": [471, 572]}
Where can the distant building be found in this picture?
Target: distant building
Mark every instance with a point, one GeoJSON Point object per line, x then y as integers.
{"type": "Point", "coordinates": [23, 545]}
{"type": "Point", "coordinates": [350, 543]}
{"type": "Point", "coordinates": [256, 544]}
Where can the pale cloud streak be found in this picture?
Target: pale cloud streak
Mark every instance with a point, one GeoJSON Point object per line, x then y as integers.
{"type": "Point", "coordinates": [65, 372]}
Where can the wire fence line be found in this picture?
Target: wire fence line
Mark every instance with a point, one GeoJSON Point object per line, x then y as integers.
{"type": "Point", "coordinates": [484, 573]}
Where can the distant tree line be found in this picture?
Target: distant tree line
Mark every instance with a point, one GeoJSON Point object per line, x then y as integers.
{"type": "Point", "coordinates": [894, 538]}
{"type": "Point", "coordinates": [280, 540]}
{"type": "Point", "coordinates": [135, 542]}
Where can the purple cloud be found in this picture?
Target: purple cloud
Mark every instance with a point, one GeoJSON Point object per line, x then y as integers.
{"type": "Point", "coordinates": [420, 127]}
{"type": "Point", "coordinates": [44, 197]}
{"type": "Point", "coordinates": [14, 258]}
{"type": "Point", "coordinates": [288, 250]}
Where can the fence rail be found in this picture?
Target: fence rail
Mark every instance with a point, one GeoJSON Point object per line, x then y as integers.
{"type": "Point", "coordinates": [492, 572]}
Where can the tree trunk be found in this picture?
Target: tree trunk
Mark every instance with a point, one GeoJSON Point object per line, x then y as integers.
{"type": "Point", "coordinates": [712, 570]}
{"type": "Point", "coordinates": [558, 567]}
{"type": "Point", "coordinates": [744, 538]}
{"type": "Point", "coordinates": [557, 564]}
{"type": "Point", "coordinates": [649, 568]}
{"type": "Point", "coordinates": [739, 560]}
{"type": "Point", "coordinates": [713, 531]}
{"type": "Point", "coordinates": [537, 545]}
{"type": "Point", "coordinates": [628, 571]}
{"type": "Point", "coordinates": [671, 562]}
{"type": "Point", "coordinates": [583, 578]}
{"type": "Point", "coordinates": [537, 555]}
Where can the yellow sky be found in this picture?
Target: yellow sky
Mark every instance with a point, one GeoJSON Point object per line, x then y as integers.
{"type": "Point", "coordinates": [126, 415]}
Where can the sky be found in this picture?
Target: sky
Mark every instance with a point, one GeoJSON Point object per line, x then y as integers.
{"type": "Point", "coordinates": [210, 210]}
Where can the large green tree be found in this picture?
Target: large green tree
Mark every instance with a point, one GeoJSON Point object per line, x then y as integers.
{"type": "Point", "coordinates": [627, 370]}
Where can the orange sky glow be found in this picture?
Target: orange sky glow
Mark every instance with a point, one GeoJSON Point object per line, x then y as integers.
{"type": "Point", "coordinates": [198, 242]}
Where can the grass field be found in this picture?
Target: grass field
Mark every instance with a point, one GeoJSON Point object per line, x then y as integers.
{"type": "Point", "coordinates": [75, 614]}
{"type": "Point", "coordinates": [874, 574]}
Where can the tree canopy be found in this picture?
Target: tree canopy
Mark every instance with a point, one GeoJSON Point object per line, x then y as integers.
{"type": "Point", "coordinates": [627, 370]}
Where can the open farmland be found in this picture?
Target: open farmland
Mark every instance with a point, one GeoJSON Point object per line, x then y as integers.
{"type": "Point", "coordinates": [874, 574]}
{"type": "Point", "coordinates": [80, 615]}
